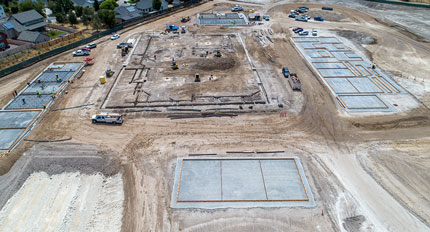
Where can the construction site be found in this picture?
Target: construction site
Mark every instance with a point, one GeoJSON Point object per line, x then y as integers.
{"type": "Point", "coordinates": [226, 117]}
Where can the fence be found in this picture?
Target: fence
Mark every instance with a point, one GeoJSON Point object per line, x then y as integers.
{"type": "Point", "coordinates": [419, 3]}
{"type": "Point", "coordinates": [14, 51]}
{"type": "Point", "coordinates": [62, 28]}
{"type": "Point", "coordinates": [57, 40]}
{"type": "Point", "coordinates": [120, 26]}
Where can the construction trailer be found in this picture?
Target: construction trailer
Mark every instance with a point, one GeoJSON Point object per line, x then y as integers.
{"type": "Point", "coordinates": [295, 82]}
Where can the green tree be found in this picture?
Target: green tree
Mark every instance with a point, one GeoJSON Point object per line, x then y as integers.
{"type": "Point", "coordinates": [107, 5]}
{"type": "Point", "coordinates": [79, 11]}
{"type": "Point", "coordinates": [107, 17]}
{"type": "Point", "coordinates": [86, 16]}
{"type": "Point", "coordinates": [96, 5]}
{"type": "Point", "coordinates": [73, 20]}
{"type": "Point", "coordinates": [30, 5]}
{"type": "Point", "coordinates": [156, 4]}
{"type": "Point", "coordinates": [96, 23]}
{"type": "Point", "coordinates": [60, 18]}
{"type": "Point", "coordinates": [61, 6]}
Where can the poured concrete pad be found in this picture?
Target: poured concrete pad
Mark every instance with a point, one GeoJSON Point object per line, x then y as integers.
{"type": "Point", "coordinates": [240, 183]}
{"type": "Point", "coordinates": [17, 119]}
{"type": "Point", "coordinates": [8, 137]}
{"type": "Point", "coordinates": [362, 102]}
{"type": "Point", "coordinates": [52, 76]}
{"type": "Point", "coordinates": [31, 102]}
{"type": "Point", "coordinates": [351, 79]}
{"type": "Point", "coordinates": [44, 88]}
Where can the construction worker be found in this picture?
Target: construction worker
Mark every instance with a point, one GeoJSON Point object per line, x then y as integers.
{"type": "Point", "coordinates": [44, 106]}
{"type": "Point", "coordinates": [38, 94]}
{"type": "Point", "coordinates": [23, 101]}
{"type": "Point", "coordinates": [52, 95]}
{"type": "Point", "coordinates": [373, 66]}
{"type": "Point", "coordinates": [16, 94]}
{"type": "Point", "coordinates": [42, 86]}
{"type": "Point", "coordinates": [58, 78]}
{"type": "Point", "coordinates": [155, 56]}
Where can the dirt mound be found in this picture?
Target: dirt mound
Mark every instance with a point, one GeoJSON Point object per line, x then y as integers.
{"type": "Point", "coordinates": [358, 37]}
{"type": "Point", "coordinates": [223, 63]}
{"type": "Point", "coordinates": [327, 15]}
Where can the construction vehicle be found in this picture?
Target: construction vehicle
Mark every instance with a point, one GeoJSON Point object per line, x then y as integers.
{"type": "Point", "coordinates": [295, 82]}
{"type": "Point", "coordinates": [112, 118]}
{"type": "Point", "coordinates": [89, 61]}
{"type": "Point", "coordinates": [171, 28]}
{"type": "Point", "coordinates": [197, 78]}
{"type": "Point", "coordinates": [218, 53]}
{"type": "Point", "coordinates": [184, 20]}
{"type": "Point", "coordinates": [174, 65]}
{"type": "Point", "coordinates": [109, 72]}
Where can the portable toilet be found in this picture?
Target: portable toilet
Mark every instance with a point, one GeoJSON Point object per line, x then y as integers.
{"type": "Point", "coordinates": [102, 79]}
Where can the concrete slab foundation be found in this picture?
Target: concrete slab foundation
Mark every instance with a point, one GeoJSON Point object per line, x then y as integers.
{"type": "Point", "coordinates": [8, 137]}
{"type": "Point", "coordinates": [17, 119]}
{"type": "Point", "coordinates": [240, 182]}
{"type": "Point", "coordinates": [351, 79]}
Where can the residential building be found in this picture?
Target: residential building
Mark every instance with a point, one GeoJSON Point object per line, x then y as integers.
{"type": "Point", "coordinates": [33, 37]}
{"type": "Point", "coordinates": [3, 42]}
{"type": "Point", "coordinates": [31, 20]}
{"type": "Point", "coordinates": [11, 28]}
{"type": "Point", "coordinates": [2, 13]}
{"type": "Point", "coordinates": [85, 3]}
{"type": "Point", "coordinates": [125, 13]}
{"type": "Point", "coordinates": [146, 6]}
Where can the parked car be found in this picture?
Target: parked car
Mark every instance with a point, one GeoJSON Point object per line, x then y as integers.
{"type": "Point", "coordinates": [319, 18]}
{"type": "Point", "coordinates": [237, 8]}
{"type": "Point", "coordinates": [92, 45]}
{"type": "Point", "coordinates": [304, 7]}
{"type": "Point", "coordinates": [304, 33]}
{"type": "Point", "coordinates": [298, 30]}
{"type": "Point", "coordinates": [114, 37]}
{"type": "Point", "coordinates": [286, 72]}
{"type": "Point", "coordinates": [124, 44]}
{"type": "Point", "coordinates": [301, 18]}
{"type": "Point", "coordinates": [292, 15]}
{"type": "Point", "coordinates": [302, 10]}
{"type": "Point", "coordinates": [326, 8]}
{"type": "Point", "coordinates": [314, 32]}
{"type": "Point", "coordinates": [80, 53]}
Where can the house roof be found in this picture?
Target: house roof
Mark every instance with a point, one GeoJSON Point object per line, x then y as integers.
{"type": "Point", "coordinates": [144, 4]}
{"type": "Point", "coordinates": [17, 26]}
{"type": "Point", "coordinates": [127, 12]}
{"type": "Point", "coordinates": [37, 25]}
{"type": "Point", "coordinates": [30, 36]}
{"type": "Point", "coordinates": [27, 16]}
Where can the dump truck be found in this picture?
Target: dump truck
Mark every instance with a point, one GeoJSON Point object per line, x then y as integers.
{"type": "Point", "coordinates": [295, 82]}
{"type": "Point", "coordinates": [112, 118]}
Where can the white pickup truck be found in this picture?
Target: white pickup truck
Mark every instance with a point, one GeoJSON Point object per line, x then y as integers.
{"type": "Point", "coordinates": [108, 118]}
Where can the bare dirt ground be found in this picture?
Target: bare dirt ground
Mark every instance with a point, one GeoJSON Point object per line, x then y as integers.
{"type": "Point", "coordinates": [366, 173]}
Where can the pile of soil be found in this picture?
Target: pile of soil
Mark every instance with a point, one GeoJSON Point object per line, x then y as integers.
{"type": "Point", "coordinates": [327, 15]}
{"type": "Point", "coordinates": [357, 37]}
{"type": "Point", "coordinates": [222, 63]}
